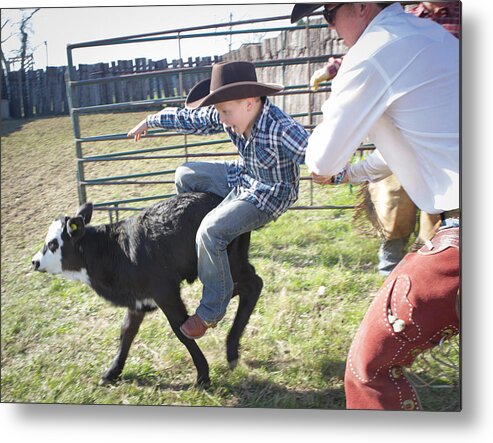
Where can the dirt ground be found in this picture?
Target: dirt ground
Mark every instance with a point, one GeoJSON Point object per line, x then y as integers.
{"type": "Point", "coordinates": [37, 180]}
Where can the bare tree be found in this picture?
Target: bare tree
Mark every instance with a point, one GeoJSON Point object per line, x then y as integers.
{"type": "Point", "coordinates": [24, 56]}
{"type": "Point", "coordinates": [5, 66]}
{"type": "Point", "coordinates": [24, 30]}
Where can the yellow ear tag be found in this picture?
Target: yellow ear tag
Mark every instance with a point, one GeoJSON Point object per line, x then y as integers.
{"type": "Point", "coordinates": [73, 226]}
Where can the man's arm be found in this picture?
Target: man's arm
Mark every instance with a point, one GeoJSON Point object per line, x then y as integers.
{"type": "Point", "coordinates": [372, 169]}
{"type": "Point", "coordinates": [357, 101]}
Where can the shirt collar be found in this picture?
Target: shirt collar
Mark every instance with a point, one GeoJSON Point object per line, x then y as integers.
{"type": "Point", "coordinates": [389, 11]}
{"type": "Point", "coordinates": [260, 122]}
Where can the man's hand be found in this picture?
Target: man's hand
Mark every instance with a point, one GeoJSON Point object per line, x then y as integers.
{"type": "Point", "coordinates": [138, 131]}
{"type": "Point", "coordinates": [330, 180]}
{"type": "Point", "coordinates": [321, 179]}
{"type": "Point", "coordinates": [325, 74]}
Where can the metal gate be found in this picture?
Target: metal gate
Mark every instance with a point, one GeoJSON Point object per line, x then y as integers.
{"type": "Point", "coordinates": [189, 147]}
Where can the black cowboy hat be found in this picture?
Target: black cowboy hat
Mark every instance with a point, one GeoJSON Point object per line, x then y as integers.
{"type": "Point", "coordinates": [229, 81]}
{"type": "Point", "coordinates": [301, 10]}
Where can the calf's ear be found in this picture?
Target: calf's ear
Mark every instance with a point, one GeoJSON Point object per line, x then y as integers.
{"type": "Point", "coordinates": [76, 227]}
{"type": "Point", "coordinates": [85, 211]}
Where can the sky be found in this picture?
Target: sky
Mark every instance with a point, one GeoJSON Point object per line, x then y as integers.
{"type": "Point", "coordinates": [59, 26]}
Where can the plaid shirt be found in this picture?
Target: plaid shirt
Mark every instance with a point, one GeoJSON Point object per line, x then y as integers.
{"type": "Point", "coordinates": [447, 15]}
{"type": "Point", "coordinates": [267, 171]}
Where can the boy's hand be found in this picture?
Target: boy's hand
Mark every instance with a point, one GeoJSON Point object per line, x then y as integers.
{"type": "Point", "coordinates": [138, 131]}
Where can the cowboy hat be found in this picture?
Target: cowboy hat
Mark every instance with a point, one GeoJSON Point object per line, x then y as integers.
{"type": "Point", "coordinates": [301, 10]}
{"type": "Point", "coordinates": [229, 81]}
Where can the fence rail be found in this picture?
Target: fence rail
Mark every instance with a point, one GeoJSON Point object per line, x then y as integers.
{"type": "Point", "coordinates": [288, 58]}
{"type": "Point", "coordinates": [101, 84]}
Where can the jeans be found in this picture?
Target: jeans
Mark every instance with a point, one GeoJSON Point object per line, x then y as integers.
{"type": "Point", "coordinates": [222, 225]}
{"type": "Point", "coordinates": [390, 253]}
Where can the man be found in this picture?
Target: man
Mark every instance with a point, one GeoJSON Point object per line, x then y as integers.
{"type": "Point", "coordinates": [398, 84]}
{"type": "Point", "coordinates": [257, 188]}
{"type": "Point", "coordinates": [386, 203]}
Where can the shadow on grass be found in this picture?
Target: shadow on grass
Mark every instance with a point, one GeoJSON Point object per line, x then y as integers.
{"type": "Point", "coordinates": [255, 392]}
{"type": "Point", "coordinates": [439, 395]}
{"type": "Point", "coordinates": [10, 126]}
{"type": "Point", "coordinates": [252, 392]}
{"type": "Point", "coordinates": [152, 382]}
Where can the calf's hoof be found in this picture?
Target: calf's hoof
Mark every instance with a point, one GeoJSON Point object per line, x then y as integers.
{"type": "Point", "coordinates": [109, 377]}
{"type": "Point", "coordinates": [203, 382]}
{"type": "Point", "coordinates": [103, 381]}
{"type": "Point", "coordinates": [233, 364]}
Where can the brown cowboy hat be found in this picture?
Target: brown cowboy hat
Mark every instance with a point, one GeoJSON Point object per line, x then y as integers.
{"type": "Point", "coordinates": [229, 81]}
{"type": "Point", "coordinates": [301, 10]}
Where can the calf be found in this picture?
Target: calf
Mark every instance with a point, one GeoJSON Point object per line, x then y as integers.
{"type": "Point", "coordinates": [140, 262]}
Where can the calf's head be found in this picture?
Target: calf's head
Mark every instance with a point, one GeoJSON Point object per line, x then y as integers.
{"type": "Point", "coordinates": [59, 255]}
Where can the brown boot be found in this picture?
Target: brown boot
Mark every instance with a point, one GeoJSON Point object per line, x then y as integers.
{"type": "Point", "coordinates": [195, 327]}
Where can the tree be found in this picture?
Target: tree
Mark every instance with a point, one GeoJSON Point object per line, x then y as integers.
{"type": "Point", "coordinates": [5, 66]}
{"type": "Point", "coordinates": [23, 56]}
{"type": "Point", "coordinates": [24, 30]}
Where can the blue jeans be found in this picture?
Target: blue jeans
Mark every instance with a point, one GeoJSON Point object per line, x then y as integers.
{"type": "Point", "coordinates": [222, 225]}
{"type": "Point", "coordinates": [390, 253]}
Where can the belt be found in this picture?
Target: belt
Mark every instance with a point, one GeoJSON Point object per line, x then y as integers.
{"type": "Point", "coordinates": [453, 213]}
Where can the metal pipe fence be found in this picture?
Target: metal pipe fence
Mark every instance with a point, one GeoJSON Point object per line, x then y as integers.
{"type": "Point", "coordinates": [189, 148]}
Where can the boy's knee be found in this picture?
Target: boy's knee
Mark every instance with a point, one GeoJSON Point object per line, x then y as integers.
{"type": "Point", "coordinates": [183, 175]}
{"type": "Point", "coordinates": [209, 234]}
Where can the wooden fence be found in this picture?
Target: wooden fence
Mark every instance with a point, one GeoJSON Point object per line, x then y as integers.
{"type": "Point", "coordinates": [47, 94]}
{"type": "Point", "coordinates": [47, 91]}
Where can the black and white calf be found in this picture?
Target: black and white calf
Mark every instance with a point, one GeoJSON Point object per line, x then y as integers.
{"type": "Point", "coordinates": [140, 262]}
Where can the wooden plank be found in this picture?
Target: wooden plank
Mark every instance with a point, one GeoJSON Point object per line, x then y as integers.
{"type": "Point", "coordinates": [15, 82]}
{"type": "Point", "coordinates": [58, 84]}
{"type": "Point", "coordinates": [63, 71]}
{"type": "Point", "coordinates": [84, 91]}
{"type": "Point", "coordinates": [153, 82]}
{"type": "Point", "coordinates": [161, 83]}
{"type": "Point", "coordinates": [116, 86]}
{"type": "Point", "coordinates": [138, 84]}
{"type": "Point", "coordinates": [48, 98]}
{"type": "Point", "coordinates": [95, 72]}
{"type": "Point", "coordinates": [165, 83]}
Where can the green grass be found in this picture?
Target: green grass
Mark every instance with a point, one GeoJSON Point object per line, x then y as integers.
{"type": "Point", "coordinates": [58, 336]}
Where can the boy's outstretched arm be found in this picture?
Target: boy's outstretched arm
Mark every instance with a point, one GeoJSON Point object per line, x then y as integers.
{"type": "Point", "coordinates": [203, 121]}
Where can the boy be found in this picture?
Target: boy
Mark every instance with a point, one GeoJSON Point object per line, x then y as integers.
{"type": "Point", "coordinates": [257, 188]}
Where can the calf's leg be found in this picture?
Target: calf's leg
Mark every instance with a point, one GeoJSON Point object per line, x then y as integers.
{"type": "Point", "coordinates": [249, 289]}
{"type": "Point", "coordinates": [129, 329]}
{"type": "Point", "coordinates": [176, 313]}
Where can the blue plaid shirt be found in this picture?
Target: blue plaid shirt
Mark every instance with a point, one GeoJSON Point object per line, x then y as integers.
{"type": "Point", "coordinates": [267, 171]}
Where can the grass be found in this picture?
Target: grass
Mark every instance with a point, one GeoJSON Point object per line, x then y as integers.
{"type": "Point", "coordinates": [58, 336]}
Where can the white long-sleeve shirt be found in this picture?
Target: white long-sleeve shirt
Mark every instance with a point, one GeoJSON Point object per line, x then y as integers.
{"type": "Point", "coordinates": [399, 84]}
{"type": "Point", "coordinates": [372, 169]}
